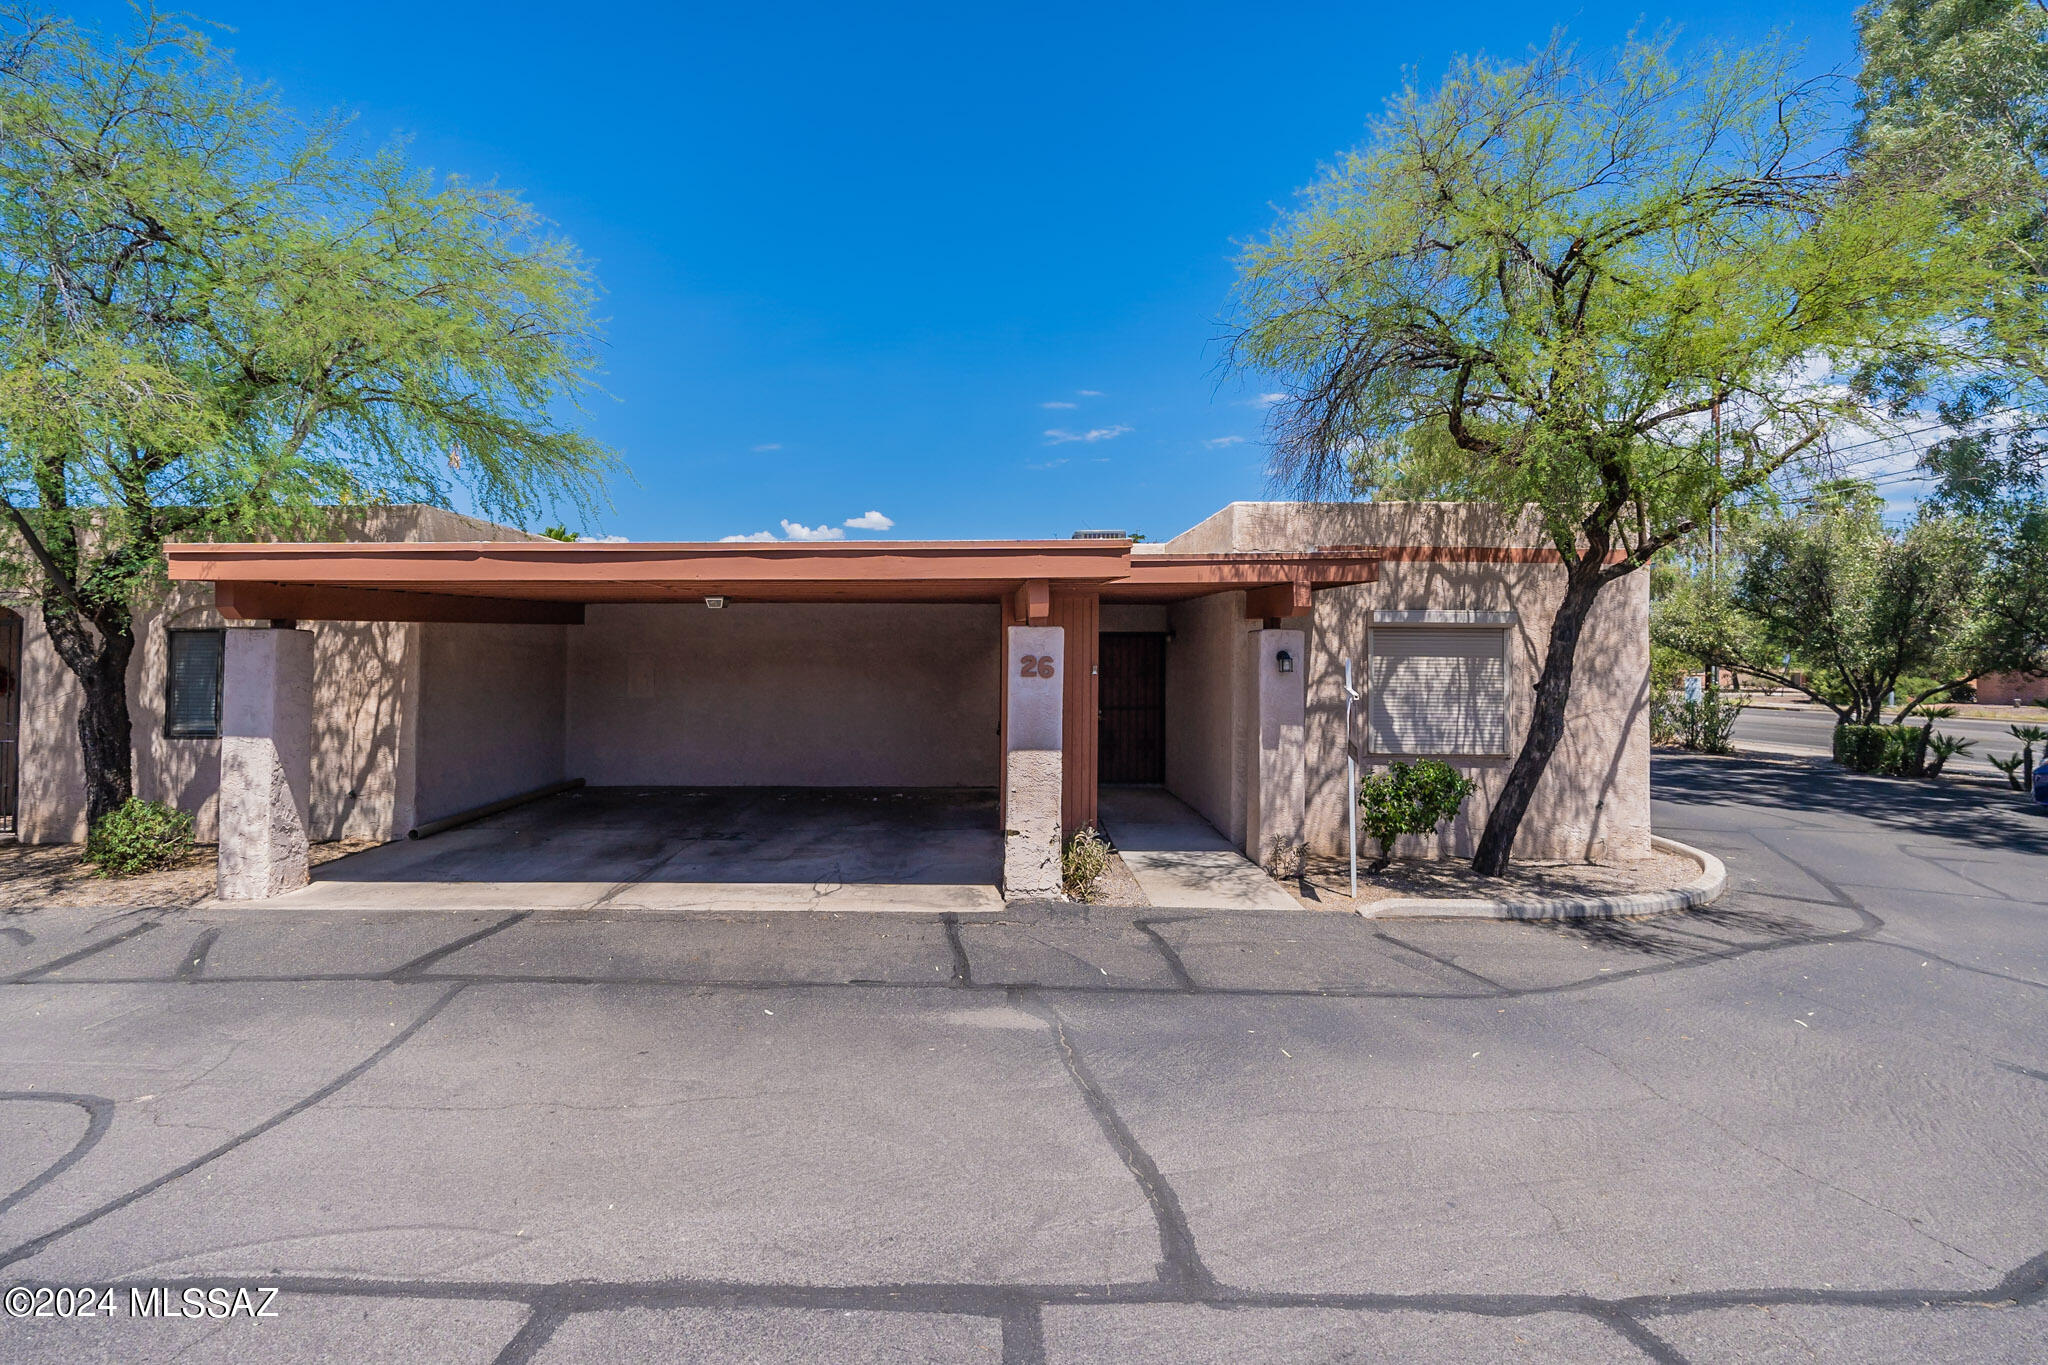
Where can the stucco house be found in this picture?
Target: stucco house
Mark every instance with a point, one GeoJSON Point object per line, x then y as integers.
{"type": "Point", "coordinates": [428, 663]}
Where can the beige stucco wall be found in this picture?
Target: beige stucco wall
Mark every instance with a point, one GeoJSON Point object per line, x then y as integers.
{"type": "Point", "coordinates": [492, 702]}
{"type": "Point", "coordinates": [365, 676]}
{"type": "Point", "coordinates": [1595, 796]}
{"type": "Point", "coordinates": [1208, 709]}
{"type": "Point", "coordinates": [358, 713]}
{"type": "Point", "coordinates": [773, 695]}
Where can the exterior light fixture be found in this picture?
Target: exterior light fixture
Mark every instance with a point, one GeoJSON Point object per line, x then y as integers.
{"type": "Point", "coordinates": [714, 602]}
{"type": "Point", "coordinates": [1285, 660]}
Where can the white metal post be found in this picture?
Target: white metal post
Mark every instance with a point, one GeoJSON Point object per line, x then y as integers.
{"type": "Point", "coordinates": [1351, 771]}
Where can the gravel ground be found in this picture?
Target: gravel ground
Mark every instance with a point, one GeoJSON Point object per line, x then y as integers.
{"type": "Point", "coordinates": [1326, 881]}
{"type": "Point", "coordinates": [52, 875]}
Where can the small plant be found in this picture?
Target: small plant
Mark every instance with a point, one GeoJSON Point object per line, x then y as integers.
{"type": "Point", "coordinates": [1286, 861]}
{"type": "Point", "coordinates": [2029, 736]}
{"type": "Point", "coordinates": [1706, 726]}
{"type": "Point", "coordinates": [1085, 858]}
{"type": "Point", "coordinates": [1886, 750]}
{"type": "Point", "coordinates": [1410, 799]}
{"type": "Point", "coordinates": [2015, 775]}
{"type": "Point", "coordinates": [1941, 748]}
{"type": "Point", "coordinates": [139, 836]}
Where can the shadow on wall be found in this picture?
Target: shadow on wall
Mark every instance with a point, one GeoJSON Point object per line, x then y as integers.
{"type": "Point", "coordinates": [1594, 798]}
{"type": "Point", "coordinates": [359, 675]}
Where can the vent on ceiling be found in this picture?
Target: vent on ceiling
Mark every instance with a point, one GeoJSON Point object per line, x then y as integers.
{"type": "Point", "coordinates": [1102, 535]}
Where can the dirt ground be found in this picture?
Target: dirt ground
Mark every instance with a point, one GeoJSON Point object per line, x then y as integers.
{"type": "Point", "coordinates": [52, 875]}
{"type": "Point", "coordinates": [1116, 886]}
{"type": "Point", "coordinates": [1325, 883]}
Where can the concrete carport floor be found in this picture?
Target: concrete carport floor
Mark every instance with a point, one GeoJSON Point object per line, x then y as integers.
{"type": "Point", "coordinates": [681, 848]}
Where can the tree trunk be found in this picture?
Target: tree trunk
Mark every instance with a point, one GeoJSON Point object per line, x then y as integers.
{"type": "Point", "coordinates": [1546, 721]}
{"type": "Point", "coordinates": [97, 655]}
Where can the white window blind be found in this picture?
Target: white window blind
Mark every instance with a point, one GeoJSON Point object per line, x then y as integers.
{"type": "Point", "coordinates": [192, 708]}
{"type": "Point", "coordinates": [1437, 690]}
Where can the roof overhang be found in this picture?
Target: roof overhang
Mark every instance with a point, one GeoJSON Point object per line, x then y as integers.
{"type": "Point", "coordinates": [550, 582]}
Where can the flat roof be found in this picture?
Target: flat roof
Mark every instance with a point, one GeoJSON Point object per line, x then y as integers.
{"type": "Point", "coordinates": [544, 581]}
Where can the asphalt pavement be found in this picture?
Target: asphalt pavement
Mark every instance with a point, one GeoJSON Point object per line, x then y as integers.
{"type": "Point", "coordinates": [1805, 1123]}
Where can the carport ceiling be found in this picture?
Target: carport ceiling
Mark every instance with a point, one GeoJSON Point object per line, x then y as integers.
{"type": "Point", "coordinates": [546, 581]}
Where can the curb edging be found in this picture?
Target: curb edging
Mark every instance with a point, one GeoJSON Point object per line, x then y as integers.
{"type": "Point", "coordinates": [1701, 890]}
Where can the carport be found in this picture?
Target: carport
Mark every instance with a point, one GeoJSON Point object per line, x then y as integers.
{"type": "Point", "coordinates": [936, 686]}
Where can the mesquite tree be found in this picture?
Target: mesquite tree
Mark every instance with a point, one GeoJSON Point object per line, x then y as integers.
{"type": "Point", "coordinates": [1616, 292]}
{"type": "Point", "coordinates": [215, 320]}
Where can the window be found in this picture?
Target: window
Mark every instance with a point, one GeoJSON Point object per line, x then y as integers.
{"type": "Point", "coordinates": [192, 700]}
{"type": "Point", "coordinates": [1437, 690]}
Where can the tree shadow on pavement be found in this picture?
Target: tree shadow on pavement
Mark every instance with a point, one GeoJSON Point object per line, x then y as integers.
{"type": "Point", "coordinates": [1970, 813]}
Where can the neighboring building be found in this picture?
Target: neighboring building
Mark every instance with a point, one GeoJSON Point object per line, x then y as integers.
{"type": "Point", "coordinates": [2012, 689]}
{"type": "Point", "coordinates": [445, 663]}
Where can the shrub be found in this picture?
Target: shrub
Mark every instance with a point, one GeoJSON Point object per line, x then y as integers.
{"type": "Point", "coordinates": [1410, 799]}
{"type": "Point", "coordinates": [1886, 750]}
{"type": "Point", "coordinates": [1941, 748]}
{"type": "Point", "coordinates": [139, 836]}
{"type": "Point", "coordinates": [1706, 726]}
{"type": "Point", "coordinates": [1085, 858]}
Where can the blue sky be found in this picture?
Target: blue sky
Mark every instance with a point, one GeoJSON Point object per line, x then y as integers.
{"type": "Point", "coordinates": [866, 258]}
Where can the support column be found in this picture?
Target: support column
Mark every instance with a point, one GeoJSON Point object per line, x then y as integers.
{"type": "Point", "coordinates": [266, 762]}
{"type": "Point", "coordinates": [1034, 672]}
{"type": "Point", "coordinates": [1276, 818]}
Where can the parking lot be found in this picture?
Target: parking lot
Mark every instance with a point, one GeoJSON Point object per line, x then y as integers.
{"type": "Point", "coordinates": [1805, 1123]}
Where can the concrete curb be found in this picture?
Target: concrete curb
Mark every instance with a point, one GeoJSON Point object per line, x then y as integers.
{"type": "Point", "coordinates": [1701, 890]}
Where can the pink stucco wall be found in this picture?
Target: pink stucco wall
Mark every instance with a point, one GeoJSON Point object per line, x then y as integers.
{"type": "Point", "coordinates": [785, 695]}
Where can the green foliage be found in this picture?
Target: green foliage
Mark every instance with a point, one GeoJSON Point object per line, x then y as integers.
{"type": "Point", "coordinates": [1084, 859]}
{"type": "Point", "coordinates": [1941, 748]}
{"type": "Point", "coordinates": [1531, 284]}
{"type": "Point", "coordinates": [139, 836]}
{"type": "Point", "coordinates": [1609, 295]}
{"type": "Point", "coordinates": [1410, 798]}
{"type": "Point", "coordinates": [216, 319]}
{"type": "Point", "coordinates": [1887, 750]}
{"type": "Point", "coordinates": [559, 532]}
{"type": "Point", "coordinates": [1706, 726]}
{"type": "Point", "coordinates": [1865, 610]}
{"type": "Point", "coordinates": [1954, 97]}
{"type": "Point", "coordinates": [2015, 769]}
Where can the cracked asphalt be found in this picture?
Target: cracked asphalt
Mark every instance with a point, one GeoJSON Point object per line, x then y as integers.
{"type": "Point", "coordinates": [1808, 1123]}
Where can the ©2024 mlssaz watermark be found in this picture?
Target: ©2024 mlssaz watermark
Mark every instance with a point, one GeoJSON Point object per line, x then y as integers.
{"type": "Point", "coordinates": [212, 1303]}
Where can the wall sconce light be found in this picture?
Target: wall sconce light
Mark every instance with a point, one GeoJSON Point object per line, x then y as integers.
{"type": "Point", "coordinates": [1285, 660]}
{"type": "Point", "coordinates": [715, 603]}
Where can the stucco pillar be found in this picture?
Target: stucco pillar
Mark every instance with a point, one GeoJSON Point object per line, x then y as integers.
{"type": "Point", "coordinates": [1277, 789]}
{"type": "Point", "coordinates": [1034, 662]}
{"type": "Point", "coordinates": [266, 762]}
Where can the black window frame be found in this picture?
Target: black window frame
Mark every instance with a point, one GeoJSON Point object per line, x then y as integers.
{"type": "Point", "coordinates": [171, 730]}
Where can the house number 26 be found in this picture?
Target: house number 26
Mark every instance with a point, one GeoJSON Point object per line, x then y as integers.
{"type": "Point", "coordinates": [1036, 666]}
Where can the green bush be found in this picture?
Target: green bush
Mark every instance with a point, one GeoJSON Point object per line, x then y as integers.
{"type": "Point", "coordinates": [141, 836]}
{"type": "Point", "coordinates": [1887, 750]}
{"type": "Point", "coordinates": [1410, 799]}
{"type": "Point", "coordinates": [1085, 858]}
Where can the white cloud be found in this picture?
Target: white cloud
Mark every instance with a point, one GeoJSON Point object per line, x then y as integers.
{"type": "Point", "coordinates": [767, 446]}
{"type": "Point", "coordinates": [1049, 464]}
{"type": "Point", "coordinates": [1089, 393]}
{"type": "Point", "coordinates": [870, 521]}
{"type": "Point", "coordinates": [1059, 436]}
{"type": "Point", "coordinates": [752, 535]}
{"type": "Point", "coordinates": [1221, 441]}
{"type": "Point", "coordinates": [1059, 405]}
{"type": "Point", "coordinates": [796, 530]}
{"type": "Point", "coordinates": [605, 540]}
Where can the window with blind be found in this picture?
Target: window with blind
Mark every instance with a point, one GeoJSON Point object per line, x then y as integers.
{"type": "Point", "coordinates": [192, 706]}
{"type": "Point", "coordinates": [1434, 691]}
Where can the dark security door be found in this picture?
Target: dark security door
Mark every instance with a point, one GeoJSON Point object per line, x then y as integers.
{"type": "Point", "coordinates": [1133, 701]}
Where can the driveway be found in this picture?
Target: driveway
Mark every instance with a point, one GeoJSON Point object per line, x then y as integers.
{"type": "Point", "coordinates": [1804, 1124]}
{"type": "Point", "coordinates": [689, 848]}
